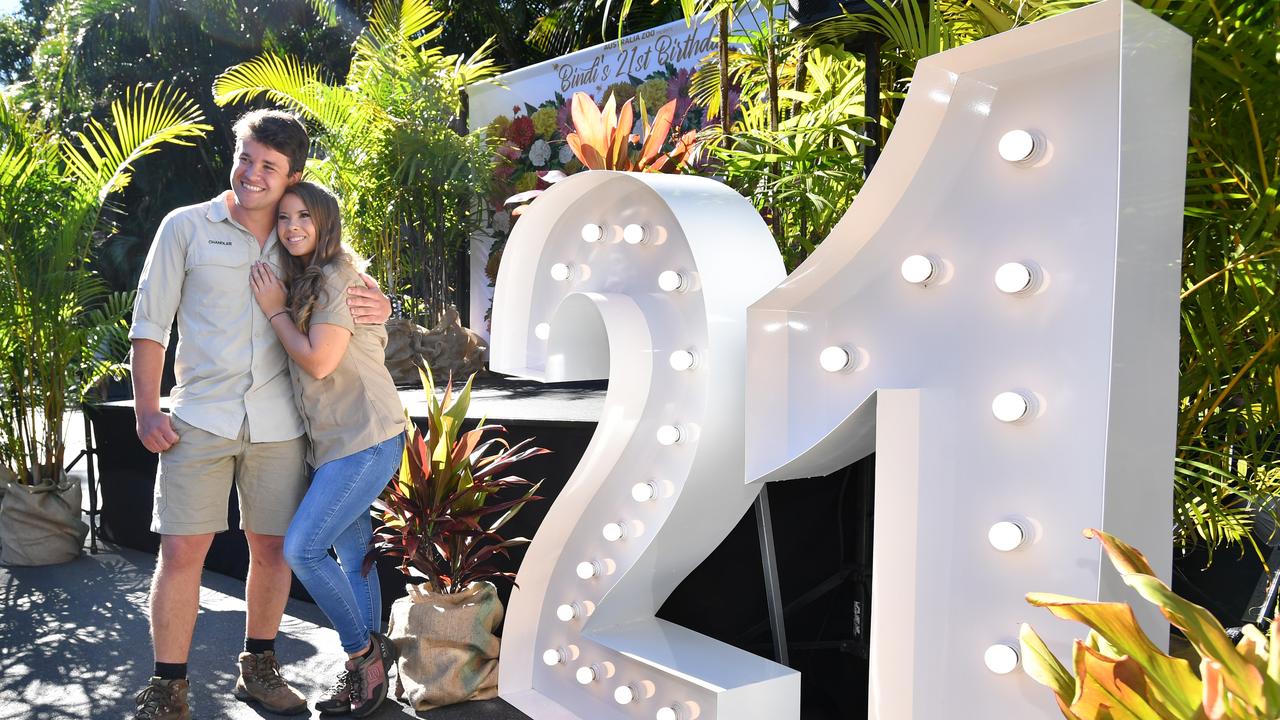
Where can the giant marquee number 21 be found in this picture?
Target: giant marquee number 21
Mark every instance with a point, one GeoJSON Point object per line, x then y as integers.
{"type": "Point", "coordinates": [995, 317]}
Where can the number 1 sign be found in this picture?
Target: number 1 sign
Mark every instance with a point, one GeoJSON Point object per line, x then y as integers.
{"type": "Point", "coordinates": [996, 318]}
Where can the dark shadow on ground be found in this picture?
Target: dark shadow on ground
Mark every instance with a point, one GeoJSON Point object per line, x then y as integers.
{"type": "Point", "coordinates": [75, 643]}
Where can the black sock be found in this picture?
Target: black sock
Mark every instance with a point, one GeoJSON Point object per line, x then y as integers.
{"type": "Point", "coordinates": [171, 671]}
{"type": "Point", "coordinates": [255, 646]}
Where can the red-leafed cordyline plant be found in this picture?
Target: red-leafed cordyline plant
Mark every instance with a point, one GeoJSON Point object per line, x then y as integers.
{"type": "Point", "coordinates": [438, 514]}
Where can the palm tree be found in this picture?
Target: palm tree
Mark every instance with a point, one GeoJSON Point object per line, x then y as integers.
{"type": "Point", "coordinates": [61, 331]}
{"type": "Point", "coordinates": [392, 143]}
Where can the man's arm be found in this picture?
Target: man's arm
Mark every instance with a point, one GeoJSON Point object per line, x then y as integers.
{"type": "Point", "coordinates": [368, 305]}
{"type": "Point", "coordinates": [154, 428]}
{"type": "Point", "coordinates": [159, 291]}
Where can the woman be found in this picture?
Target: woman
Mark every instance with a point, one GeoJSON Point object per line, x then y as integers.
{"type": "Point", "coordinates": [356, 424]}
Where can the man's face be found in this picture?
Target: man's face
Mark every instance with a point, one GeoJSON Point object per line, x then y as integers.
{"type": "Point", "coordinates": [260, 175]}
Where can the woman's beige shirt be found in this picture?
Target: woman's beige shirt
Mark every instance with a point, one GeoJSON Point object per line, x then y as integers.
{"type": "Point", "coordinates": [356, 406]}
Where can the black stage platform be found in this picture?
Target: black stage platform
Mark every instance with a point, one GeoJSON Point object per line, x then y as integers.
{"type": "Point", "coordinates": [821, 529]}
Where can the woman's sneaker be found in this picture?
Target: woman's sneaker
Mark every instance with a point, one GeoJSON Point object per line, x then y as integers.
{"type": "Point", "coordinates": [337, 700]}
{"type": "Point", "coordinates": [369, 676]}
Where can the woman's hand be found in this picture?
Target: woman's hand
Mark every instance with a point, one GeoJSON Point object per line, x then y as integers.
{"type": "Point", "coordinates": [267, 289]}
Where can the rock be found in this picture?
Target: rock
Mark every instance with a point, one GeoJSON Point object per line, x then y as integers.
{"type": "Point", "coordinates": [448, 348]}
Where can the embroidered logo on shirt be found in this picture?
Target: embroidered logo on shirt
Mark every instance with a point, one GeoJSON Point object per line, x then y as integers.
{"type": "Point", "coordinates": [220, 242]}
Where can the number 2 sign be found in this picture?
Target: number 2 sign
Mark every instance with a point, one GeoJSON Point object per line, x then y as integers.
{"type": "Point", "coordinates": [995, 317]}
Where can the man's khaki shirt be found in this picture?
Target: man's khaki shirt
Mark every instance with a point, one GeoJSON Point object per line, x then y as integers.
{"type": "Point", "coordinates": [229, 363]}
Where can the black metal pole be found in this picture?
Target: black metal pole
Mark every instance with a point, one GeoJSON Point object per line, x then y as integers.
{"type": "Point", "coordinates": [871, 152]}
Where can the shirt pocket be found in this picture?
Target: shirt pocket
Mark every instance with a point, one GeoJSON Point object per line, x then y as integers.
{"type": "Point", "coordinates": [217, 278]}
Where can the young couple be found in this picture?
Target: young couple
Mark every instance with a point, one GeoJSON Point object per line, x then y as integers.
{"type": "Point", "coordinates": [280, 342]}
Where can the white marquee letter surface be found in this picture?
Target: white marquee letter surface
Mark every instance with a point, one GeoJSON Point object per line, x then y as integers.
{"type": "Point", "coordinates": [645, 280]}
{"type": "Point", "coordinates": [997, 318]}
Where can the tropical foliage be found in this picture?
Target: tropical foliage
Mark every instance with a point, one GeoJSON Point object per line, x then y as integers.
{"type": "Point", "coordinates": [392, 142]}
{"type": "Point", "coordinates": [1229, 419]}
{"type": "Point", "coordinates": [61, 330]}
{"type": "Point", "coordinates": [602, 138]}
{"type": "Point", "coordinates": [1120, 674]}
{"type": "Point", "coordinates": [443, 513]}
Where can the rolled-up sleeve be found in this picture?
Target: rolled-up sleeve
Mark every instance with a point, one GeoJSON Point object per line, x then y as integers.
{"type": "Point", "coordinates": [160, 286]}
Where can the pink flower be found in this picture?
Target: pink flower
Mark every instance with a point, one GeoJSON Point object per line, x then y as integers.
{"type": "Point", "coordinates": [562, 118]}
{"type": "Point", "coordinates": [678, 84]}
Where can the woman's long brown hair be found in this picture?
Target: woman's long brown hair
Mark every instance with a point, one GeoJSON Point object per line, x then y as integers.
{"type": "Point", "coordinates": [305, 281]}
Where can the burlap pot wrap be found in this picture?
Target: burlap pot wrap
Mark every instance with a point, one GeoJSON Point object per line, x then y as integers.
{"type": "Point", "coordinates": [41, 525]}
{"type": "Point", "coordinates": [448, 649]}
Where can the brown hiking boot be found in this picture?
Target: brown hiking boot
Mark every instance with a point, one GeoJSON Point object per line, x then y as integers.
{"type": "Point", "coordinates": [260, 682]}
{"type": "Point", "coordinates": [368, 675]}
{"type": "Point", "coordinates": [337, 699]}
{"type": "Point", "coordinates": [163, 700]}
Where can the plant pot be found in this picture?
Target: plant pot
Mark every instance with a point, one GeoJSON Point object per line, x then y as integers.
{"type": "Point", "coordinates": [41, 525]}
{"type": "Point", "coordinates": [448, 649]}
{"type": "Point", "coordinates": [449, 349]}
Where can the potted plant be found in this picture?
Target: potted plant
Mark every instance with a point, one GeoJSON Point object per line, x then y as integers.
{"type": "Point", "coordinates": [61, 330]}
{"type": "Point", "coordinates": [442, 516]}
{"type": "Point", "coordinates": [1121, 673]}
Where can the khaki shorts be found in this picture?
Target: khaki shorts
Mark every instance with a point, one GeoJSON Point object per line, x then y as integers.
{"type": "Point", "coordinates": [194, 480]}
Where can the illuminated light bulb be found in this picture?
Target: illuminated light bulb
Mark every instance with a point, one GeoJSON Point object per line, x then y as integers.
{"type": "Point", "coordinates": [644, 492]}
{"type": "Point", "coordinates": [569, 611]}
{"type": "Point", "coordinates": [1001, 659]}
{"type": "Point", "coordinates": [1014, 278]}
{"type": "Point", "coordinates": [627, 694]}
{"type": "Point", "coordinates": [554, 656]}
{"type": "Point", "coordinates": [670, 435]}
{"type": "Point", "coordinates": [561, 272]}
{"type": "Point", "coordinates": [1006, 535]}
{"type": "Point", "coordinates": [683, 360]}
{"type": "Point", "coordinates": [835, 359]}
{"type": "Point", "coordinates": [589, 569]}
{"type": "Point", "coordinates": [1010, 406]}
{"type": "Point", "coordinates": [670, 712]}
{"type": "Point", "coordinates": [542, 331]}
{"type": "Point", "coordinates": [917, 270]}
{"type": "Point", "coordinates": [592, 232]}
{"type": "Point", "coordinates": [672, 281]}
{"type": "Point", "coordinates": [587, 674]}
{"type": "Point", "coordinates": [614, 532]}
{"type": "Point", "coordinates": [1018, 146]}
{"type": "Point", "coordinates": [633, 234]}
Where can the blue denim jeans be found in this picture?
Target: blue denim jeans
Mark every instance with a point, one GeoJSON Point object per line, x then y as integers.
{"type": "Point", "coordinates": [335, 514]}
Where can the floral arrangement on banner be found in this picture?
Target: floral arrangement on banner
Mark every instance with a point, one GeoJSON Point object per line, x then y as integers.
{"type": "Point", "coordinates": [533, 151]}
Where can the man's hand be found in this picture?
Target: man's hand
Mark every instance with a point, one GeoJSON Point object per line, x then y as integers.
{"type": "Point", "coordinates": [156, 432]}
{"type": "Point", "coordinates": [367, 304]}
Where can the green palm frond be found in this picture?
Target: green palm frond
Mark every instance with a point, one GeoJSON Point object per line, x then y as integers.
{"type": "Point", "coordinates": [326, 10]}
{"type": "Point", "coordinates": [147, 118]}
{"type": "Point", "coordinates": [62, 330]}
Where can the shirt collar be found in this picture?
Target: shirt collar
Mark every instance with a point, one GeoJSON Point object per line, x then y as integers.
{"type": "Point", "coordinates": [218, 208]}
{"type": "Point", "coordinates": [218, 212]}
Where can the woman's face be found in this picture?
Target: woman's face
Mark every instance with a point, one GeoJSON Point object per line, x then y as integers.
{"type": "Point", "coordinates": [294, 227]}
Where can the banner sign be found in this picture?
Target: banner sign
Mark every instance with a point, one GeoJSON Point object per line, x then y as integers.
{"type": "Point", "coordinates": [530, 108]}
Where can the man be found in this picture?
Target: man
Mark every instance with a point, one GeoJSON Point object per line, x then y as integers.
{"type": "Point", "coordinates": [233, 416]}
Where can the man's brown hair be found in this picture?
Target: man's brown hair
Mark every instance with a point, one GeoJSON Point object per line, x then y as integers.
{"type": "Point", "coordinates": [278, 130]}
